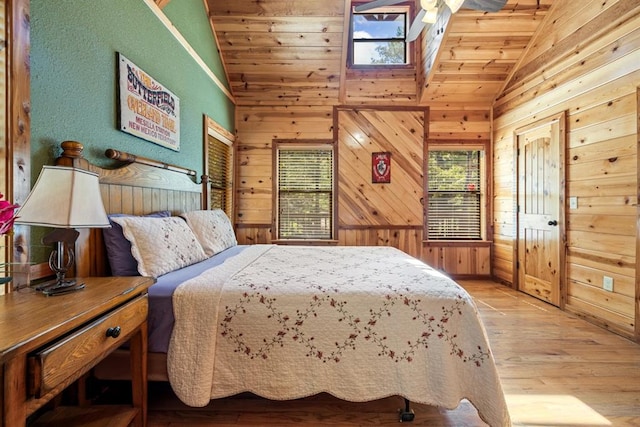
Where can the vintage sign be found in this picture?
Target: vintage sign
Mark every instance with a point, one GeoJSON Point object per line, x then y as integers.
{"type": "Point", "coordinates": [381, 167]}
{"type": "Point", "coordinates": [148, 110]}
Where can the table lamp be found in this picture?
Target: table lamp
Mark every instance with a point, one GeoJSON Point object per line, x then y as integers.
{"type": "Point", "coordinates": [64, 198]}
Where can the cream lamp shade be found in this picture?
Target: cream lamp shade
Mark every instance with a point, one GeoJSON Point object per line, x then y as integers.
{"type": "Point", "coordinates": [64, 197]}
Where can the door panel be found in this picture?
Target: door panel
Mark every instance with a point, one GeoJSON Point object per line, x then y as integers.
{"type": "Point", "coordinates": [540, 209]}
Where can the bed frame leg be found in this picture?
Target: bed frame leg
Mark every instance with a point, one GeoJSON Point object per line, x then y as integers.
{"type": "Point", "coordinates": [407, 415]}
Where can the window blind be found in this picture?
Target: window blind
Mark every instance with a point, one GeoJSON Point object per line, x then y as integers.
{"type": "Point", "coordinates": [220, 172]}
{"type": "Point", "coordinates": [305, 193]}
{"type": "Point", "coordinates": [454, 195]}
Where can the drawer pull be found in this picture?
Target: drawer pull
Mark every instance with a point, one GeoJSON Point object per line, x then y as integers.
{"type": "Point", "coordinates": [113, 332]}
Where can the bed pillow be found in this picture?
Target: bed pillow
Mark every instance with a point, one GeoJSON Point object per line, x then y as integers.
{"type": "Point", "coordinates": [161, 245]}
{"type": "Point", "coordinates": [121, 262]}
{"type": "Point", "coordinates": [212, 228]}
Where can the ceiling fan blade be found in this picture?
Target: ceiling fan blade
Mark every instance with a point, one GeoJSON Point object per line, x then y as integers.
{"type": "Point", "coordinates": [375, 4]}
{"type": "Point", "coordinates": [484, 5]}
{"type": "Point", "coordinates": [416, 26]}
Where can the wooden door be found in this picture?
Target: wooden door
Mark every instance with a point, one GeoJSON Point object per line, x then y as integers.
{"type": "Point", "coordinates": [540, 210]}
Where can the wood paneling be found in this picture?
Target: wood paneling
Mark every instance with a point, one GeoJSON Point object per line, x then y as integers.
{"type": "Point", "coordinates": [459, 122]}
{"type": "Point", "coordinates": [380, 214]}
{"type": "Point", "coordinates": [583, 60]}
{"type": "Point", "coordinates": [5, 251]}
{"type": "Point", "coordinates": [286, 61]}
{"type": "Point", "coordinates": [295, 53]}
{"type": "Point", "coordinates": [257, 127]}
{"type": "Point", "coordinates": [362, 132]}
{"type": "Point", "coordinates": [253, 235]}
{"type": "Point", "coordinates": [562, 37]}
{"type": "Point", "coordinates": [381, 87]}
{"type": "Point", "coordinates": [369, 214]}
{"type": "Point", "coordinates": [373, 214]}
{"type": "Point", "coordinates": [281, 52]}
{"type": "Point", "coordinates": [18, 123]}
{"type": "Point", "coordinates": [468, 56]}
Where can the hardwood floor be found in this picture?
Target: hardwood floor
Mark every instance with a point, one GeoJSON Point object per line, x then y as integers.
{"type": "Point", "coordinates": [556, 370]}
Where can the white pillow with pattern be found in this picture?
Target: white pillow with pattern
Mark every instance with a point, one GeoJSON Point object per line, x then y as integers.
{"type": "Point", "coordinates": [161, 245]}
{"type": "Point", "coordinates": [213, 229]}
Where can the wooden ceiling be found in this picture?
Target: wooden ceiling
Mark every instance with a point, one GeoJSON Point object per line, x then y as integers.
{"type": "Point", "coordinates": [293, 52]}
{"type": "Point", "coordinates": [473, 57]}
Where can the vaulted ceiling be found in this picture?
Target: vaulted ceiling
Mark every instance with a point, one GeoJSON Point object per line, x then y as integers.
{"type": "Point", "coordinates": [293, 52]}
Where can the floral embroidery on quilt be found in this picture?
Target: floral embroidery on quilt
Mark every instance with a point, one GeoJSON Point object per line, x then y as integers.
{"type": "Point", "coordinates": [353, 301]}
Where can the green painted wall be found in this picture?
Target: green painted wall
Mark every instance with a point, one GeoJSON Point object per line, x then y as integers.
{"type": "Point", "coordinates": [191, 18]}
{"type": "Point", "coordinates": [74, 77]}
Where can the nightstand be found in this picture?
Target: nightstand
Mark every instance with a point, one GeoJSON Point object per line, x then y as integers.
{"type": "Point", "coordinates": [47, 343]}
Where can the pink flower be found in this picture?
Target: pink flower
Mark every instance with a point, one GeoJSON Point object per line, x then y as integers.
{"type": "Point", "coordinates": [7, 215]}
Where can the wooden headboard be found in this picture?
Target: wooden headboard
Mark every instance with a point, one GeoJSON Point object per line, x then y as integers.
{"type": "Point", "coordinates": [138, 186]}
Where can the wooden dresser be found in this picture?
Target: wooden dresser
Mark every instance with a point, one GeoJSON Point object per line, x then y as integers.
{"type": "Point", "coordinates": [47, 343]}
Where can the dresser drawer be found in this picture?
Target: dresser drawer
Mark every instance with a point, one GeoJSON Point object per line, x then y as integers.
{"type": "Point", "coordinates": [69, 358]}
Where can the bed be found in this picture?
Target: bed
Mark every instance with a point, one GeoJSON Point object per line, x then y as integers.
{"type": "Point", "coordinates": [286, 322]}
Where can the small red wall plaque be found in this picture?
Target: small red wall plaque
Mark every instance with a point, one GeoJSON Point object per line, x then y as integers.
{"type": "Point", "coordinates": [381, 168]}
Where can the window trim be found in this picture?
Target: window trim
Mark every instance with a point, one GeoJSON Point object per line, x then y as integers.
{"type": "Point", "coordinates": [304, 144]}
{"type": "Point", "coordinates": [486, 201]}
{"type": "Point", "coordinates": [213, 129]}
{"type": "Point", "coordinates": [409, 9]}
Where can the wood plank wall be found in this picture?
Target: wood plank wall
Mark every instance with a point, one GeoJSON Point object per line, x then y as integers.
{"type": "Point", "coordinates": [584, 60]}
{"type": "Point", "coordinates": [286, 64]}
{"type": "Point", "coordinates": [257, 126]}
{"type": "Point", "coordinates": [381, 214]}
{"type": "Point", "coordinates": [466, 123]}
{"type": "Point", "coordinates": [468, 56]}
{"type": "Point", "coordinates": [4, 240]}
{"type": "Point", "coordinates": [392, 87]}
{"type": "Point", "coordinates": [18, 126]}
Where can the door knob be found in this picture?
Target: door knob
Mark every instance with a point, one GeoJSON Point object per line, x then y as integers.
{"type": "Point", "coordinates": [554, 222]}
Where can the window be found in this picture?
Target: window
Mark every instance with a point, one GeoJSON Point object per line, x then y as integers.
{"type": "Point", "coordinates": [456, 181]}
{"type": "Point", "coordinates": [378, 37]}
{"type": "Point", "coordinates": [220, 155]}
{"type": "Point", "coordinates": [305, 192]}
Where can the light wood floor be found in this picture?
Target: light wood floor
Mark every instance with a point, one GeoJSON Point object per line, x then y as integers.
{"type": "Point", "coordinates": [556, 370]}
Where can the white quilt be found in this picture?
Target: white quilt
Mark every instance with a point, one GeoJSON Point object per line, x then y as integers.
{"type": "Point", "coordinates": [360, 323]}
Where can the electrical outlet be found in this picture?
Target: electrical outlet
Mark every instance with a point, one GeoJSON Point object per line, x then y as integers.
{"type": "Point", "coordinates": [573, 203]}
{"type": "Point", "coordinates": [607, 283]}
